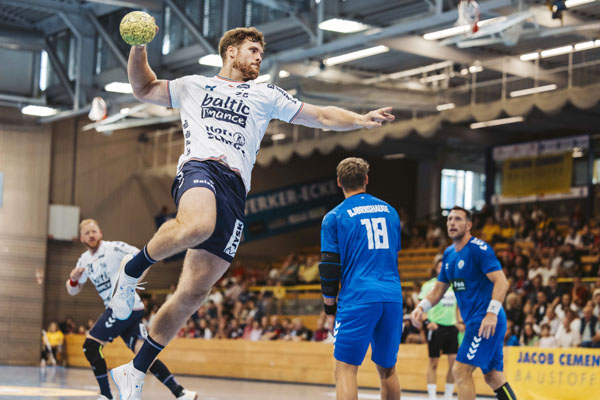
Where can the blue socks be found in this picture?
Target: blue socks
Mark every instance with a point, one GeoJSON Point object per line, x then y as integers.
{"type": "Point", "coordinates": [139, 263]}
{"type": "Point", "coordinates": [147, 354]}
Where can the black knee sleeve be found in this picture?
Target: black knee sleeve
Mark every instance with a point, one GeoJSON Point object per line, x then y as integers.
{"type": "Point", "coordinates": [505, 392]}
{"type": "Point", "coordinates": [93, 353]}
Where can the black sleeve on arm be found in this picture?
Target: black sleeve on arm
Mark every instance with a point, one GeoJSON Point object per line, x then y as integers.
{"type": "Point", "coordinates": [330, 271]}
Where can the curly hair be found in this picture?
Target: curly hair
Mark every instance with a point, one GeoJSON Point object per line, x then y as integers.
{"type": "Point", "coordinates": [236, 37]}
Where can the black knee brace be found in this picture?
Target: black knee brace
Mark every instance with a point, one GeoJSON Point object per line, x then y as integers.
{"type": "Point", "coordinates": [505, 392]}
{"type": "Point", "coordinates": [93, 353]}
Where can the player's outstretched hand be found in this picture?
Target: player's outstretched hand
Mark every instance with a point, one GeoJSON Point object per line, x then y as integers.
{"type": "Point", "coordinates": [416, 316]}
{"type": "Point", "coordinates": [375, 118]}
{"type": "Point", "coordinates": [488, 325]}
{"type": "Point", "coordinates": [76, 274]}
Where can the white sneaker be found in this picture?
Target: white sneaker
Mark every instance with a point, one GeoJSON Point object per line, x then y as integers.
{"type": "Point", "coordinates": [188, 395]}
{"type": "Point", "coordinates": [123, 295]}
{"type": "Point", "coordinates": [129, 381]}
{"type": "Point", "coordinates": [102, 397]}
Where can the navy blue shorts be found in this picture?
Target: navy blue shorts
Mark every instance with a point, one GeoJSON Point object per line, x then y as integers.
{"type": "Point", "coordinates": [377, 324]}
{"type": "Point", "coordinates": [230, 194]}
{"type": "Point", "coordinates": [108, 327]}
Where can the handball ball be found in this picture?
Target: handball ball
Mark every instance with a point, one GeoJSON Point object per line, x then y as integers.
{"type": "Point", "coordinates": [137, 28]}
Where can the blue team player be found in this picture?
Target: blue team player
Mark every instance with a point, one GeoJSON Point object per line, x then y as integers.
{"type": "Point", "coordinates": [480, 286]}
{"type": "Point", "coordinates": [360, 240]}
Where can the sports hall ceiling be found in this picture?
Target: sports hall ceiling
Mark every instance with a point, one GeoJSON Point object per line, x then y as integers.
{"type": "Point", "coordinates": [72, 50]}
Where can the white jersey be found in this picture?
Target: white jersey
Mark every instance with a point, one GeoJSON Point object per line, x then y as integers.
{"type": "Point", "coordinates": [102, 269]}
{"type": "Point", "coordinates": [226, 120]}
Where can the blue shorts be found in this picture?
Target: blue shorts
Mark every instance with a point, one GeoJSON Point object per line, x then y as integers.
{"type": "Point", "coordinates": [230, 194]}
{"type": "Point", "coordinates": [107, 328]}
{"type": "Point", "coordinates": [480, 352]}
{"type": "Point", "coordinates": [377, 324]}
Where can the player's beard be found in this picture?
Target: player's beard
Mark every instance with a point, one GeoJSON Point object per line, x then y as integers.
{"type": "Point", "coordinates": [248, 72]}
{"type": "Point", "coordinates": [93, 245]}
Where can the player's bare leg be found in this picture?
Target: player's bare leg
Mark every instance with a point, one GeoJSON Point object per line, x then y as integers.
{"type": "Point", "coordinates": [346, 385]}
{"type": "Point", "coordinates": [431, 376]}
{"type": "Point", "coordinates": [449, 377]}
{"type": "Point", "coordinates": [497, 381]}
{"type": "Point", "coordinates": [390, 385]}
{"type": "Point", "coordinates": [194, 223]}
{"type": "Point", "coordinates": [201, 270]}
{"type": "Point", "coordinates": [463, 375]}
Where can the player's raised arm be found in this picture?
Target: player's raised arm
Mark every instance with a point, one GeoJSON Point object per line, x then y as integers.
{"type": "Point", "coordinates": [488, 325]}
{"type": "Point", "coordinates": [338, 119]}
{"type": "Point", "coordinates": [73, 285]}
{"type": "Point", "coordinates": [146, 87]}
{"type": "Point", "coordinates": [432, 298]}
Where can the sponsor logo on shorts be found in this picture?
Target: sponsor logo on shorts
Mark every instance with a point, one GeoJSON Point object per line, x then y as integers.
{"type": "Point", "coordinates": [205, 182]}
{"type": "Point", "coordinates": [235, 239]}
{"type": "Point", "coordinates": [234, 139]}
{"type": "Point", "coordinates": [474, 347]}
{"type": "Point", "coordinates": [229, 110]}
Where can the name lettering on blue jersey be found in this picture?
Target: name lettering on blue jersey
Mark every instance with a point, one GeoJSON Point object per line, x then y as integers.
{"type": "Point", "coordinates": [367, 209]}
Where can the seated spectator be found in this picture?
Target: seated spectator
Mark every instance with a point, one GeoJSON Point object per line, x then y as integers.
{"type": "Point", "coordinates": [321, 333]}
{"type": "Point", "coordinates": [67, 326]}
{"type": "Point", "coordinates": [507, 231]}
{"type": "Point", "coordinates": [309, 272]}
{"type": "Point", "coordinates": [235, 330]}
{"type": "Point", "coordinates": [52, 345]}
{"type": "Point", "coordinates": [434, 236]}
{"type": "Point", "coordinates": [587, 238]}
{"type": "Point", "coordinates": [553, 291]}
{"type": "Point", "coordinates": [519, 282]}
{"type": "Point", "coordinates": [566, 336]}
{"type": "Point", "coordinates": [570, 262]}
{"type": "Point", "coordinates": [513, 308]}
{"type": "Point", "coordinates": [222, 329]}
{"type": "Point", "coordinates": [564, 306]}
{"type": "Point", "coordinates": [547, 340]}
{"type": "Point", "coordinates": [510, 339]}
{"type": "Point", "coordinates": [573, 238]}
{"type": "Point", "coordinates": [596, 303]}
{"type": "Point", "coordinates": [551, 320]}
{"type": "Point", "coordinates": [579, 293]}
{"type": "Point", "coordinates": [576, 217]}
{"type": "Point", "coordinates": [204, 332]}
{"type": "Point", "coordinates": [189, 330]}
{"type": "Point", "coordinates": [540, 307]}
{"type": "Point", "coordinates": [299, 332]}
{"type": "Point", "coordinates": [410, 334]}
{"type": "Point", "coordinates": [590, 328]}
{"type": "Point", "coordinates": [273, 329]}
{"type": "Point", "coordinates": [553, 239]}
{"type": "Point", "coordinates": [255, 333]}
{"type": "Point", "coordinates": [288, 274]}
{"type": "Point", "coordinates": [490, 231]}
{"type": "Point", "coordinates": [528, 336]}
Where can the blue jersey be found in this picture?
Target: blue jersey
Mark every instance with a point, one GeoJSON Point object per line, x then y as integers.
{"type": "Point", "coordinates": [365, 232]}
{"type": "Point", "coordinates": [466, 270]}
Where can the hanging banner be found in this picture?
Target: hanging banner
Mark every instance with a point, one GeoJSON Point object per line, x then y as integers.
{"type": "Point", "coordinates": [543, 174]}
{"type": "Point", "coordinates": [289, 208]}
{"type": "Point", "coordinates": [553, 374]}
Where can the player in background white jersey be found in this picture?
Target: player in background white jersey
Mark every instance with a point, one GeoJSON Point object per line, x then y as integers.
{"type": "Point", "coordinates": [100, 264]}
{"type": "Point", "coordinates": [224, 119]}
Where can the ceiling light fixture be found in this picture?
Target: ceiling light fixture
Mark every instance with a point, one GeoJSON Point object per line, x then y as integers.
{"type": "Point", "coordinates": [575, 3]}
{"type": "Point", "coordinates": [278, 136]}
{"type": "Point", "coordinates": [38, 111]}
{"type": "Point", "coordinates": [475, 68]}
{"type": "Point", "coordinates": [212, 60]}
{"type": "Point", "coordinates": [533, 90]}
{"type": "Point", "coordinates": [355, 55]}
{"type": "Point", "coordinates": [442, 107]}
{"type": "Point", "coordinates": [496, 122]}
{"type": "Point", "coordinates": [557, 51]}
{"type": "Point", "coordinates": [283, 74]}
{"type": "Point", "coordinates": [342, 26]}
{"type": "Point", "coordinates": [118, 87]}
{"type": "Point", "coordinates": [434, 78]}
{"type": "Point", "coordinates": [530, 56]}
{"type": "Point", "coordinates": [459, 30]}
